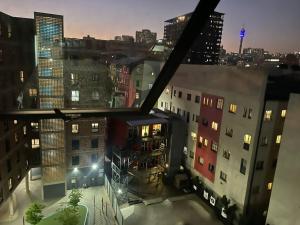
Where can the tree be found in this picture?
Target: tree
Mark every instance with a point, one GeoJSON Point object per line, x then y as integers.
{"type": "Point", "coordinates": [34, 215]}
{"type": "Point", "coordinates": [74, 198]}
{"type": "Point", "coordinates": [69, 216]}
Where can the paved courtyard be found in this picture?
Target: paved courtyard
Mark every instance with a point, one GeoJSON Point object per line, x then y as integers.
{"type": "Point", "coordinates": [185, 210]}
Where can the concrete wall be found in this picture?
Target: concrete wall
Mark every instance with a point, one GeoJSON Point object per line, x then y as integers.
{"type": "Point", "coordinates": [284, 207]}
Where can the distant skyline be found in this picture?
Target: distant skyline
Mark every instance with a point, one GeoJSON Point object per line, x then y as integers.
{"type": "Point", "coordinates": [268, 24]}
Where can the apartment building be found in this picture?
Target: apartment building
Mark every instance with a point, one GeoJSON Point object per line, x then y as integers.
{"type": "Point", "coordinates": [235, 120]}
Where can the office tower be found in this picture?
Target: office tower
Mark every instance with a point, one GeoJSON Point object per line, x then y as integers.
{"type": "Point", "coordinates": [145, 37]}
{"type": "Point", "coordinates": [242, 35]}
{"type": "Point", "coordinates": [16, 68]}
{"type": "Point", "coordinates": [49, 60]}
{"type": "Point", "coordinates": [206, 48]}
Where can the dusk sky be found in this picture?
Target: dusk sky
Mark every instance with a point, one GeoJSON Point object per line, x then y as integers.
{"type": "Point", "coordinates": [268, 23]}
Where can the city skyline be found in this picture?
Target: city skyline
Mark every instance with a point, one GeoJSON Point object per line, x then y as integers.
{"type": "Point", "coordinates": [101, 17]}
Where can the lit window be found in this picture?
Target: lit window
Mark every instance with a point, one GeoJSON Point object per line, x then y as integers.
{"type": "Point", "coordinates": [200, 160]}
{"type": "Point", "coordinates": [278, 139]}
{"type": "Point", "coordinates": [32, 92]}
{"type": "Point", "coordinates": [232, 108]}
{"type": "Point", "coordinates": [283, 113]}
{"type": "Point", "coordinates": [24, 130]}
{"type": "Point", "coordinates": [211, 102]}
{"type": "Point", "coordinates": [75, 96]}
{"type": "Point", "coordinates": [95, 95]}
{"type": "Point", "coordinates": [22, 76]}
{"type": "Point", "coordinates": [214, 146]}
{"type": "Point", "coordinates": [35, 143]}
{"type": "Point", "coordinates": [205, 142]}
{"type": "Point", "coordinates": [9, 31]}
{"type": "Point", "coordinates": [15, 122]}
{"type": "Point", "coordinates": [75, 128]}
{"type": "Point", "coordinates": [167, 91]}
{"type": "Point", "coordinates": [247, 139]}
{"type": "Point", "coordinates": [200, 139]}
{"type": "Point", "coordinates": [34, 125]}
{"type": "Point", "coordinates": [74, 78]}
{"type": "Point", "coordinates": [150, 86]}
{"type": "Point", "coordinates": [268, 115]}
{"type": "Point", "coordinates": [156, 129]}
{"type": "Point", "coordinates": [205, 101]}
{"type": "Point", "coordinates": [95, 127]}
{"type": "Point", "coordinates": [220, 103]}
{"type": "Point", "coordinates": [269, 186]}
{"type": "Point", "coordinates": [10, 185]}
{"type": "Point", "coordinates": [145, 131]}
{"type": "Point", "coordinates": [137, 95]}
{"type": "Point", "coordinates": [214, 126]}
{"type": "Point", "coordinates": [194, 136]}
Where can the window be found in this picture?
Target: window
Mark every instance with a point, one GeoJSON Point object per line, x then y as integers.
{"type": "Point", "coordinates": [278, 139]}
{"type": "Point", "coordinates": [75, 96]}
{"type": "Point", "coordinates": [204, 122]}
{"type": "Point", "coordinates": [34, 125]}
{"type": "Point", "coordinates": [21, 76]}
{"type": "Point", "coordinates": [243, 166]}
{"type": "Point", "coordinates": [162, 104]}
{"type": "Point", "coordinates": [32, 92]}
{"type": "Point", "coordinates": [137, 95]}
{"type": "Point", "coordinates": [283, 113]}
{"type": "Point", "coordinates": [95, 77]}
{"type": "Point", "coordinates": [229, 132]}
{"type": "Point", "coordinates": [75, 160]}
{"type": "Point", "coordinates": [264, 141]}
{"type": "Point", "coordinates": [95, 95]}
{"type": "Point", "coordinates": [24, 130]}
{"type": "Point", "coordinates": [137, 83]}
{"type": "Point", "coordinates": [194, 136]}
{"type": "Point", "coordinates": [15, 122]}
{"type": "Point", "coordinates": [150, 86]}
{"type": "Point", "coordinates": [187, 117]}
{"type": "Point", "coordinates": [226, 154]}
{"type": "Point", "coordinates": [174, 93]}
{"type": "Point", "coordinates": [145, 131]}
{"type": "Point", "coordinates": [205, 101]}
{"type": "Point", "coordinates": [223, 176]}
{"type": "Point", "coordinates": [192, 154]}
{"type": "Point", "coordinates": [249, 113]}
{"type": "Point", "coordinates": [74, 78]}
{"type": "Point", "coordinates": [214, 146]}
{"type": "Point", "coordinates": [268, 115]}
{"type": "Point", "coordinates": [94, 157]}
{"type": "Point", "coordinates": [16, 137]}
{"type": "Point", "coordinates": [200, 142]}
{"type": "Point", "coordinates": [232, 108]}
{"type": "Point", "coordinates": [259, 165]}
{"type": "Point", "coordinates": [197, 118]}
{"type": "Point", "coordinates": [178, 111]}
{"type": "Point", "coordinates": [9, 31]}
{"type": "Point", "coordinates": [10, 184]}
{"type": "Point", "coordinates": [220, 103]}
{"type": "Point", "coordinates": [75, 144]}
{"type": "Point", "coordinates": [94, 143]}
{"type": "Point", "coordinates": [245, 112]}
{"type": "Point", "coordinates": [247, 141]}
{"type": "Point", "coordinates": [269, 186]}
{"type": "Point", "coordinates": [205, 142]}
{"type": "Point", "coordinates": [95, 127]}
{"type": "Point", "coordinates": [211, 167]}
{"type": "Point", "coordinates": [35, 143]}
{"type": "Point", "coordinates": [200, 160]}
{"type": "Point", "coordinates": [75, 128]}
{"type": "Point", "coordinates": [197, 99]}
{"type": "Point", "coordinates": [214, 125]}
{"type": "Point", "coordinates": [179, 94]}
{"type": "Point", "coordinates": [167, 91]}
{"type": "Point", "coordinates": [156, 129]}
{"type": "Point", "coordinates": [188, 97]}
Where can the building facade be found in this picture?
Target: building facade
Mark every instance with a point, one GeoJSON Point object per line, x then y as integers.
{"type": "Point", "coordinates": [206, 48]}
{"type": "Point", "coordinates": [145, 37]}
{"type": "Point", "coordinates": [234, 132]}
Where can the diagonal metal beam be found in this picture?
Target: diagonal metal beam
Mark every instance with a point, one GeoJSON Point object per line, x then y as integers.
{"type": "Point", "coordinates": [192, 30]}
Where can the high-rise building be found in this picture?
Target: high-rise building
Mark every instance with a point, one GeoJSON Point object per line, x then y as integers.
{"type": "Point", "coordinates": [16, 69]}
{"type": "Point", "coordinates": [145, 37]}
{"type": "Point", "coordinates": [49, 60]}
{"type": "Point", "coordinates": [234, 131]}
{"type": "Point", "coordinates": [206, 48]}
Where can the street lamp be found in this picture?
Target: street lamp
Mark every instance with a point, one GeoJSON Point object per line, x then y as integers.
{"type": "Point", "coordinates": [119, 191]}
{"type": "Point", "coordinates": [94, 166]}
{"type": "Point", "coordinates": [75, 170]}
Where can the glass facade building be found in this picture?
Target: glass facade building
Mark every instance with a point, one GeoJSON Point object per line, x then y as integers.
{"type": "Point", "coordinates": [49, 59]}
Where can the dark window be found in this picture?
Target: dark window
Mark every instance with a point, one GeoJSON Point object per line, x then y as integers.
{"type": "Point", "coordinates": [75, 160]}
{"type": "Point", "coordinates": [8, 165]}
{"type": "Point", "coordinates": [94, 158]}
{"type": "Point", "coordinates": [246, 146]}
{"type": "Point", "coordinates": [259, 165]}
{"type": "Point", "coordinates": [189, 97]}
{"type": "Point", "coordinates": [243, 166]}
{"type": "Point", "coordinates": [197, 119]}
{"type": "Point", "coordinates": [179, 94]}
{"type": "Point", "coordinates": [162, 104]}
{"type": "Point", "coordinates": [137, 83]}
{"type": "Point", "coordinates": [226, 154]}
{"type": "Point", "coordinates": [204, 122]}
{"type": "Point", "coordinates": [211, 167]}
{"type": "Point", "coordinates": [7, 145]}
{"type": "Point", "coordinates": [178, 111]}
{"type": "Point", "coordinates": [274, 164]}
{"type": "Point", "coordinates": [75, 144]}
{"type": "Point", "coordinates": [174, 93]}
{"type": "Point", "coordinates": [245, 112]}
{"type": "Point", "coordinates": [94, 143]}
{"type": "Point", "coordinates": [197, 99]}
{"type": "Point", "coordinates": [229, 132]}
{"type": "Point", "coordinates": [187, 117]}
{"type": "Point", "coordinates": [193, 117]}
{"type": "Point", "coordinates": [264, 141]}
{"type": "Point", "coordinates": [223, 176]}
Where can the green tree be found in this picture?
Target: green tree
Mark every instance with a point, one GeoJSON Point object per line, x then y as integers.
{"type": "Point", "coordinates": [69, 216]}
{"type": "Point", "coordinates": [74, 198]}
{"type": "Point", "coordinates": [33, 214]}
